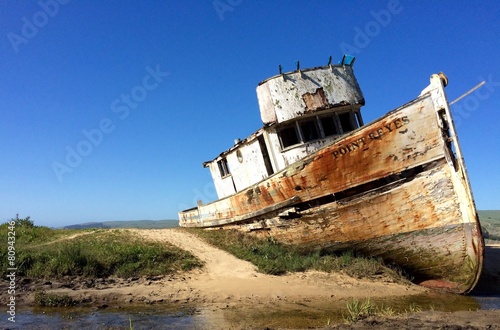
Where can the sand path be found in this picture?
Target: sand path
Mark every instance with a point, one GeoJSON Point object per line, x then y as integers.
{"type": "Point", "coordinates": [225, 277]}
{"type": "Point", "coordinates": [218, 263]}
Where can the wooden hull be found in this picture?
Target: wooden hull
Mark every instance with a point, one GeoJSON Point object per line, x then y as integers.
{"type": "Point", "coordinates": [395, 188]}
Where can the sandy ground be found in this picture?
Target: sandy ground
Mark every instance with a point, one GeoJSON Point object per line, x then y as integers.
{"type": "Point", "coordinates": [227, 285]}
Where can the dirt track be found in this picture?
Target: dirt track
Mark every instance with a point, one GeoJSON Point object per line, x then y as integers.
{"type": "Point", "coordinates": [226, 277]}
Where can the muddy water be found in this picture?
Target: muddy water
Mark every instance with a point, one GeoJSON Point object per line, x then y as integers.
{"type": "Point", "coordinates": [303, 314]}
{"type": "Point", "coordinates": [157, 317]}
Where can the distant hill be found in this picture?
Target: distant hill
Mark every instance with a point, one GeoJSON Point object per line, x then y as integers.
{"type": "Point", "coordinates": [144, 224]}
{"type": "Point", "coordinates": [490, 221]}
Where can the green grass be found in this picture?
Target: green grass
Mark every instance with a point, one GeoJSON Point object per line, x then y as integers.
{"type": "Point", "coordinates": [45, 299]}
{"type": "Point", "coordinates": [359, 310]}
{"type": "Point", "coordinates": [274, 258]}
{"type": "Point", "coordinates": [42, 252]}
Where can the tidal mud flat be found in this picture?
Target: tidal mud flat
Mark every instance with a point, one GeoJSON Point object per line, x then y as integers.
{"type": "Point", "coordinates": [230, 293]}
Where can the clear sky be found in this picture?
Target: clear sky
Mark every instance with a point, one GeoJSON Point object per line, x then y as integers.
{"type": "Point", "coordinates": [109, 108]}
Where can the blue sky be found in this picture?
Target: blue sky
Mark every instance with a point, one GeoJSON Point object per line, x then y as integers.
{"type": "Point", "coordinates": [108, 109]}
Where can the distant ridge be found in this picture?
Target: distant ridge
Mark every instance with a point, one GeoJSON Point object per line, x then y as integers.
{"type": "Point", "coordinates": [144, 224]}
{"type": "Point", "coordinates": [490, 223]}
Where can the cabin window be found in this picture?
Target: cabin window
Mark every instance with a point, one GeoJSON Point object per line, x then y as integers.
{"type": "Point", "coordinates": [346, 122]}
{"type": "Point", "coordinates": [315, 128]}
{"type": "Point", "coordinates": [329, 126]}
{"type": "Point", "coordinates": [289, 136]}
{"type": "Point", "coordinates": [223, 167]}
{"type": "Point", "coordinates": [309, 130]}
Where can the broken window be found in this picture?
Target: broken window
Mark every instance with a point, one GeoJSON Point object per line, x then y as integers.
{"type": "Point", "coordinates": [309, 130]}
{"type": "Point", "coordinates": [346, 122]}
{"type": "Point", "coordinates": [223, 167]}
{"type": "Point", "coordinates": [289, 136]}
{"type": "Point", "coordinates": [329, 126]}
{"type": "Point", "coordinates": [316, 128]}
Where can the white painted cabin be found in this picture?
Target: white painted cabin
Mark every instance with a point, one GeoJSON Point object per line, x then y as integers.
{"type": "Point", "coordinates": [302, 111]}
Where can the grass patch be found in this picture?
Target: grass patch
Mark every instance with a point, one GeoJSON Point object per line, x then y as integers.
{"type": "Point", "coordinates": [359, 310]}
{"type": "Point", "coordinates": [42, 252]}
{"type": "Point", "coordinates": [272, 257]}
{"type": "Point", "coordinates": [45, 299]}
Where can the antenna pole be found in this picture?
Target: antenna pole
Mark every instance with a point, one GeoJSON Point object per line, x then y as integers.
{"type": "Point", "coordinates": [470, 91]}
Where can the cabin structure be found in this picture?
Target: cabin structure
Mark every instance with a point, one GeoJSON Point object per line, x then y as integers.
{"type": "Point", "coordinates": [302, 111]}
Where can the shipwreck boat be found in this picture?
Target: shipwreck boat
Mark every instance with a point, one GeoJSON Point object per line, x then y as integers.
{"type": "Point", "coordinates": [317, 177]}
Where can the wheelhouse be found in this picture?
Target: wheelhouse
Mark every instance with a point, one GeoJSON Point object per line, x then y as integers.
{"type": "Point", "coordinates": [302, 111]}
